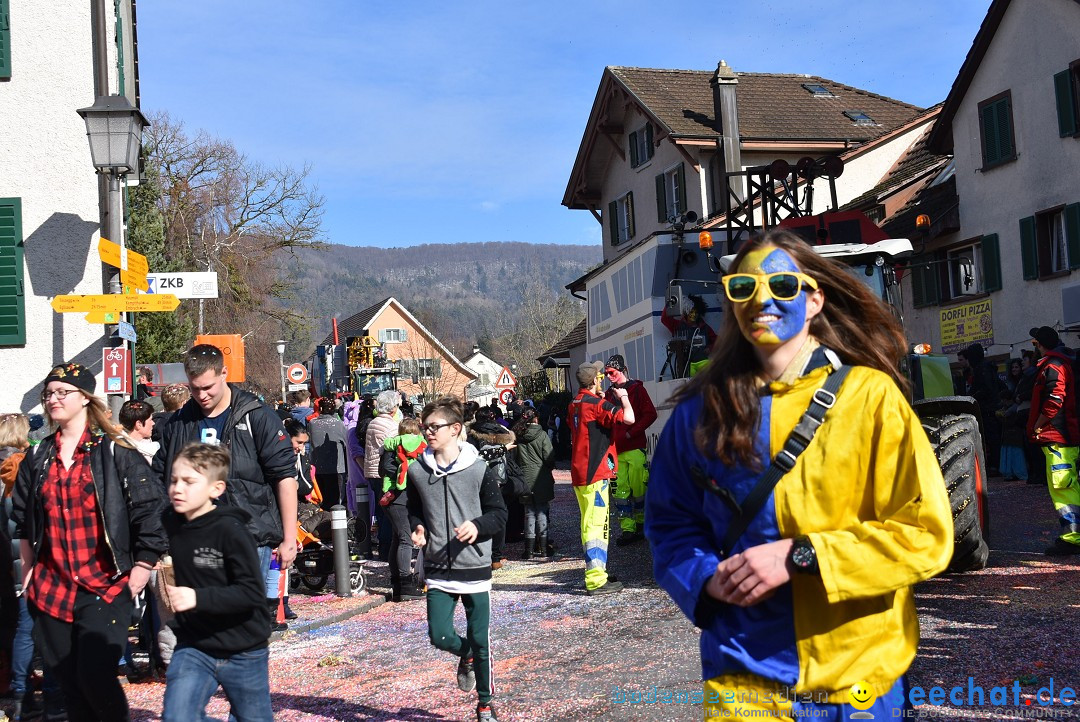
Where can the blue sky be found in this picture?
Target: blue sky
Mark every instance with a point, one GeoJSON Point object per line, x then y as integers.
{"type": "Point", "coordinates": [459, 121]}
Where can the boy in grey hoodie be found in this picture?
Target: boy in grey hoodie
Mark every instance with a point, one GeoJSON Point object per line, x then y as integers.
{"type": "Point", "coordinates": [455, 507]}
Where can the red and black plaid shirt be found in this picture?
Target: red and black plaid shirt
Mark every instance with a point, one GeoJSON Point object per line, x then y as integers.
{"type": "Point", "coordinates": [74, 552]}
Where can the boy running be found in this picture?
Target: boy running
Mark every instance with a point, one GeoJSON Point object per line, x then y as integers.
{"type": "Point", "coordinates": [219, 596]}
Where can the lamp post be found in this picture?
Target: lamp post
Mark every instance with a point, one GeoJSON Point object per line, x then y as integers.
{"type": "Point", "coordinates": [281, 366]}
{"type": "Point", "coordinates": [114, 128]}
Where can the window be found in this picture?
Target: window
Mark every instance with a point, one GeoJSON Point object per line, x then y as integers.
{"type": "Point", "coordinates": [1050, 242]}
{"type": "Point", "coordinates": [393, 335]}
{"type": "Point", "coordinates": [641, 146]}
{"type": "Point", "coordinates": [621, 219]}
{"type": "Point", "coordinates": [12, 308]}
{"type": "Point", "coordinates": [875, 213]}
{"type": "Point", "coordinates": [5, 41]}
{"type": "Point", "coordinates": [996, 129]}
{"type": "Point", "coordinates": [428, 368]}
{"type": "Point", "coordinates": [671, 193]}
{"type": "Point", "coordinates": [859, 118]}
{"type": "Point", "coordinates": [817, 90]}
{"type": "Point", "coordinates": [484, 380]}
{"type": "Point", "coordinates": [1067, 96]}
{"type": "Point", "coordinates": [967, 270]}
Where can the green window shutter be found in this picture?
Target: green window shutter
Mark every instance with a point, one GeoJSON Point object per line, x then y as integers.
{"type": "Point", "coordinates": [1065, 96]}
{"type": "Point", "coordinates": [634, 160]}
{"type": "Point", "coordinates": [5, 40]}
{"type": "Point", "coordinates": [1004, 129]}
{"type": "Point", "coordinates": [661, 200]}
{"type": "Point", "coordinates": [991, 263]}
{"type": "Point", "coordinates": [438, 368]}
{"type": "Point", "coordinates": [613, 221]}
{"type": "Point", "coordinates": [682, 187]}
{"type": "Point", "coordinates": [12, 302]}
{"type": "Point", "coordinates": [924, 289]}
{"type": "Point", "coordinates": [1029, 249]}
{"type": "Point", "coordinates": [1072, 233]}
{"type": "Point", "coordinates": [630, 215]}
{"type": "Point", "coordinates": [648, 142]}
{"type": "Point", "coordinates": [989, 135]}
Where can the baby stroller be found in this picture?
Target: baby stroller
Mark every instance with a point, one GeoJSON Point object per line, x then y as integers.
{"type": "Point", "coordinates": [315, 561]}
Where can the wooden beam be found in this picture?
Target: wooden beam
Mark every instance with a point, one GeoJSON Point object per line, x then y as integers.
{"type": "Point", "coordinates": [616, 145]}
{"type": "Point", "coordinates": [596, 215]}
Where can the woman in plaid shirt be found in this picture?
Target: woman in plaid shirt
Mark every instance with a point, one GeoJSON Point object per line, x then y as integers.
{"type": "Point", "coordinates": [87, 511]}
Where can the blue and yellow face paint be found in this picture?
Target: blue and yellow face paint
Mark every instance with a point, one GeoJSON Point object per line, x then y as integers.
{"type": "Point", "coordinates": [763, 320]}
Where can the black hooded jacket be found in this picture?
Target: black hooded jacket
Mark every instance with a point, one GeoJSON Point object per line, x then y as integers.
{"type": "Point", "coordinates": [261, 456]}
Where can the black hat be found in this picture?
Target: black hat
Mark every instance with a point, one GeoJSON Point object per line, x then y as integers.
{"type": "Point", "coordinates": [75, 374]}
{"type": "Point", "coordinates": [1046, 336]}
{"type": "Point", "coordinates": [616, 362]}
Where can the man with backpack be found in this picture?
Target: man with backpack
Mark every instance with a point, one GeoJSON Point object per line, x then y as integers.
{"type": "Point", "coordinates": [1053, 425]}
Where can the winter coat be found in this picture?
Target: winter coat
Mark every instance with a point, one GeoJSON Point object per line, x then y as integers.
{"type": "Point", "coordinates": [536, 458]}
{"type": "Point", "coordinates": [260, 457]}
{"type": "Point", "coordinates": [381, 428]}
{"type": "Point", "coordinates": [130, 500]}
{"type": "Point", "coordinates": [628, 438]}
{"type": "Point", "coordinates": [1054, 396]}
{"type": "Point", "coordinates": [328, 444]}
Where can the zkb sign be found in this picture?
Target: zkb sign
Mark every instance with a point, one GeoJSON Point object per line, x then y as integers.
{"type": "Point", "coordinates": [184, 285]}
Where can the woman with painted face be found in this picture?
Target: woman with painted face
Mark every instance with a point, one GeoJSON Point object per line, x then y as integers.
{"type": "Point", "coordinates": [814, 594]}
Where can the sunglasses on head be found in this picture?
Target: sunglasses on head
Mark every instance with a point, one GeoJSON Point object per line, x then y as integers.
{"type": "Point", "coordinates": [782, 285]}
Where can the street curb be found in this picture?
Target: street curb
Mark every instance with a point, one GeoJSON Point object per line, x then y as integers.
{"type": "Point", "coordinates": [373, 600]}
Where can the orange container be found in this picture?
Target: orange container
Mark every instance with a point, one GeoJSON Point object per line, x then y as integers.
{"type": "Point", "coordinates": [232, 346]}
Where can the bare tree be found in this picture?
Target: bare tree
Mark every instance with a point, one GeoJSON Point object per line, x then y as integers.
{"type": "Point", "coordinates": [542, 319]}
{"type": "Point", "coordinates": [424, 371]}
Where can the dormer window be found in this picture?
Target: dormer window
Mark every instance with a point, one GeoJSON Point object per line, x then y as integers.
{"type": "Point", "coordinates": [641, 145]}
{"type": "Point", "coordinates": [859, 118]}
{"type": "Point", "coordinates": [817, 90]}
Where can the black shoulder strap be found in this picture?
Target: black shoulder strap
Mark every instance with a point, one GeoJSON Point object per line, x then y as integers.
{"type": "Point", "coordinates": [800, 438]}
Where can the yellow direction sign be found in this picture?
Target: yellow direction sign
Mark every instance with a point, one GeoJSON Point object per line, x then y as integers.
{"type": "Point", "coordinates": [109, 252]}
{"type": "Point", "coordinates": [114, 303]}
{"type": "Point", "coordinates": [100, 317]}
{"type": "Point", "coordinates": [134, 280]}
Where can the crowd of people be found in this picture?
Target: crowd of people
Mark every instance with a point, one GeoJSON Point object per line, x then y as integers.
{"type": "Point", "coordinates": [784, 555]}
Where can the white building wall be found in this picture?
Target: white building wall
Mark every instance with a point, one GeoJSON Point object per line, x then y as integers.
{"type": "Point", "coordinates": [1044, 174]}
{"type": "Point", "coordinates": [45, 161]}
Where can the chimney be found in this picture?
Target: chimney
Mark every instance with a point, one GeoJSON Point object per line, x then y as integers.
{"type": "Point", "coordinates": [726, 111]}
{"type": "Point", "coordinates": [475, 349]}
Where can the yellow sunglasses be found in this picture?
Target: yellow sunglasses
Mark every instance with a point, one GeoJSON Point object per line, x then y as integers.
{"type": "Point", "coordinates": [782, 285]}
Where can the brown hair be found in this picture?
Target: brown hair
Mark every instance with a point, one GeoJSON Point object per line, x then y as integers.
{"type": "Point", "coordinates": [134, 411]}
{"type": "Point", "coordinates": [210, 461]}
{"type": "Point", "coordinates": [729, 384]}
{"type": "Point", "coordinates": [449, 407]}
{"type": "Point", "coordinates": [98, 418]}
{"type": "Point", "coordinates": [174, 396]}
{"type": "Point", "coordinates": [201, 358]}
{"type": "Point", "coordinates": [15, 430]}
{"type": "Point", "coordinates": [409, 425]}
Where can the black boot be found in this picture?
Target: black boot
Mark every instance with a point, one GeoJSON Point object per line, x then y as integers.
{"type": "Point", "coordinates": [275, 625]}
{"type": "Point", "coordinates": [541, 547]}
{"type": "Point", "coordinates": [289, 613]}
{"type": "Point", "coordinates": [530, 548]}
{"type": "Point", "coordinates": [410, 590]}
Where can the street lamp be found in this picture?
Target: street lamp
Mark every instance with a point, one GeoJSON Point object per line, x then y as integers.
{"type": "Point", "coordinates": [114, 127]}
{"type": "Point", "coordinates": [281, 366]}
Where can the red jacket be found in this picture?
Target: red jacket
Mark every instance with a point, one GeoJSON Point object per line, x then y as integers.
{"type": "Point", "coordinates": [633, 436]}
{"type": "Point", "coordinates": [593, 456]}
{"type": "Point", "coordinates": [1054, 396]}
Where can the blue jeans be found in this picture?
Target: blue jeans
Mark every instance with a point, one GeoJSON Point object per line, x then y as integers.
{"type": "Point", "coordinates": [22, 654]}
{"type": "Point", "coordinates": [194, 676]}
{"type": "Point", "coordinates": [271, 576]}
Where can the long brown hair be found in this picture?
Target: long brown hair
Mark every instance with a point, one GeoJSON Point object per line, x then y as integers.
{"type": "Point", "coordinates": [99, 421]}
{"type": "Point", "coordinates": [853, 322]}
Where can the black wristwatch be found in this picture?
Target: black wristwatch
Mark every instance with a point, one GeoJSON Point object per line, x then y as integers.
{"type": "Point", "coordinates": [803, 556]}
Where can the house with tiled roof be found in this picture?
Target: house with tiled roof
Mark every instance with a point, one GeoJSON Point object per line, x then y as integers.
{"type": "Point", "coordinates": [565, 354]}
{"type": "Point", "coordinates": [1003, 249]}
{"type": "Point", "coordinates": [659, 143]}
{"type": "Point", "coordinates": [427, 367]}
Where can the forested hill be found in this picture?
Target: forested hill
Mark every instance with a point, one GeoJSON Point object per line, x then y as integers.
{"type": "Point", "coordinates": [463, 292]}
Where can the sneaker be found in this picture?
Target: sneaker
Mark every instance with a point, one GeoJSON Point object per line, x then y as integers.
{"type": "Point", "coordinates": [485, 712]}
{"type": "Point", "coordinates": [1062, 548]}
{"type": "Point", "coordinates": [497, 564]}
{"type": "Point", "coordinates": [466, 675]}
{"type": "Point", "coordinates": [612, 586]}
{"type": "Point", "coordinates": [629, 537]}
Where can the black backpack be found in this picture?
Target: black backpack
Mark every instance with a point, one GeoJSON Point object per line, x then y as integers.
{"type": "Point", "coordinates": [505, 469]}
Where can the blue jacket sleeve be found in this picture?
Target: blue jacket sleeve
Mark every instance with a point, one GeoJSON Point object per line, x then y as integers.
{"type": "Point", "coordinates": [685, 547]}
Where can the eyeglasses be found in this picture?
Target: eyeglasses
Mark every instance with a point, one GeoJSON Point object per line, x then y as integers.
{"type": "Point", "coordinates": [433, 428]}
{"type": "Point", "coordinates": [59, 393]}
{"type": "Point", "coordinates": [782, 285]}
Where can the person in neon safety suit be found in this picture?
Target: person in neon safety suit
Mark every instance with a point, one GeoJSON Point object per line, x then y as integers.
{"type": "Point", "coordinates": [630, 443]}
{"type": "Point", "coordinates": [1052, 424]}
{"type": "Point", "coordinates": [816, 595]}
{"type": "Point", "coordinates": [593, 464]}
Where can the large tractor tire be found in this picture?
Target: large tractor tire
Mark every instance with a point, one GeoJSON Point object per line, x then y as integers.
{"type": "Point", "coordinates": [953, 429]}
